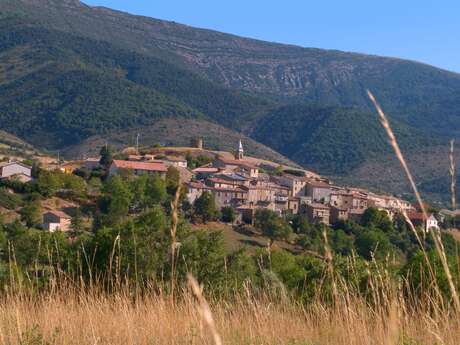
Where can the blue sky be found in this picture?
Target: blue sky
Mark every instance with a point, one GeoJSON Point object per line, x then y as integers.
{"type": "Point", "coordinates": [422, 30]}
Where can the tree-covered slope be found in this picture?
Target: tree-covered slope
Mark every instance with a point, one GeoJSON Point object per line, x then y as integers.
{"type": "Point", "coordinates": [418, 94]}
{"type": "Point", "coordinates": [332, 140]}
{"type": "Point", "coordinates": [72, 87]}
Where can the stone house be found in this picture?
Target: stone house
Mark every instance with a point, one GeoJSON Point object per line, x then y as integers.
{"type": "Point", "coordinates": [349, 200]}
{"type": "Point", "coordinates": [228, 181]}
{"type": "Point", "coordinates": [319, 191]}
{"type": "Point", "coordinates": [233, 196]}
{"type": "Point", "coordinates": [91, 163]}
{"type": "Point", "coordinates": [236, 165]}
{"type": "Point", "coordinates": [205, 171]}
{"type": "Point", "coordinates": [293, 205]}
{"type": "Point", "coordinates": [338, 213]}
{"type": "Point", "coordinates": [296, 184]}
{"type": "Point", "coordinates": [175, 162]}
{"type": "Point", "coordinates": [195, 189]}
{"type": "Point", "coordinates": [56, 220]}
{"type": "Point", "coordinates": [260, 194]}
{"type": "Point", "coordinates": [418, 219]}
{"type": "Point", "coordinates": [139, 168]}
{"type": "Point", "coordinates": [318, 213]}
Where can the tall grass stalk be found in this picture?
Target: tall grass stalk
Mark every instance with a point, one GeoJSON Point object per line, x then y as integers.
{"type": "Point", "coordinates": [434, 232]}
{"type": "Point", "coordinates": [453, 176]}
{"type": "Point", "coordinates": [174, 220]}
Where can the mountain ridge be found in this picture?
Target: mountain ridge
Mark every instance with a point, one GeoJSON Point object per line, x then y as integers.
{"type": "Point", "coordinates": [71, 72]}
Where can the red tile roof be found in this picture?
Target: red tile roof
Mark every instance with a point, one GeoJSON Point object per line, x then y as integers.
{"type": "Point", "coordinates": [59, 214]}
{"type": "Point", "coordinates": [319, 184]}
{"type": "Point", "coordinates": [318, 205]}
{"type": "Point", "coordinates": [147, 166]}
{"type": "Point", "coordinates": [418, 216]}
{"type": "Point", "coordinates": [205, 170]}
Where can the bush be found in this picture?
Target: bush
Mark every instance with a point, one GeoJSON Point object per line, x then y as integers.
{"type": "Point", "coordinates": [8, 200]}
{"type": "Point", "coordinates": [227, 214]}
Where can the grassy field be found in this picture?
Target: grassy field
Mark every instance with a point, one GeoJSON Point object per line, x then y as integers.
{"type": "Point", "coordinates": [72, 316]}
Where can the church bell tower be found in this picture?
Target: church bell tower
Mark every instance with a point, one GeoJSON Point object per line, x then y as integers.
{"type": "Point", "coordinates": [240, 151]}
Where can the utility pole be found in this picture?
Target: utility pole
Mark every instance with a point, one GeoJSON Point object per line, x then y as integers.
{"type": "Point", "coordinates": [137, 143]}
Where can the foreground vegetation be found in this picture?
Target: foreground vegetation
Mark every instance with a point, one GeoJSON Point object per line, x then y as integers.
{"type": "Point", "coordinates": [121, 274]}
{"type": "Point", "coordinates": [82, 316]}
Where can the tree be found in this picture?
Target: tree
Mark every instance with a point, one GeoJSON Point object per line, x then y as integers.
{"type": "Point", "coordinates": [31, 214]}
{"type": "Point", "coordinates": [300, 224]}
{"type": "Point", "coordinates": [155, 190]}
{"type": "Point", "coordinates": [106, 156]}
{"type": "Point", "coordinates": [35, 172]}
{"type": "Point", "coordinates": [172, 180]}
{"type": "Point", "coordinates": [75, 184]}
{"type": "Point", "coordinates": [272, 225]}
{"type": "Point", "coordinates": [205, 207]}
{"type": "Point", "coordinates": [341, 242]}
{"type": "Point", "coordinates": [48, 183]}
{"type": "Point", "coordinates": [374, 218]}
{"type": "Point", "coordinates": [372, 242]}
{"type": "Point", "coordinates": [76, 223]}
{"type": "Point", "coordinates": [227, 214]}
{"type": "Point", "coordinates": [116, 201]}
{"type": "Point", "coordinates": [419, 274]}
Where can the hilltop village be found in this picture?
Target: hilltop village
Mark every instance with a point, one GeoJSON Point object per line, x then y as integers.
{"type": "Point", "coordinates": [244, 184]}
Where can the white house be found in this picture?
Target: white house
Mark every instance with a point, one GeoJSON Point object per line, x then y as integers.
{"type": "Point", "coordinates": [12, 169]}
{"type": "Point", "coordinates": [175, 162]}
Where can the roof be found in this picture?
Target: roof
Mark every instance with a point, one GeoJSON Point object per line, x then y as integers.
{"type": "Point", "coordinates": [147, 166]}
{"type": "Point", "coordinates": [356, 211]}
{"type": "Point", "coordinates": [221, 180]}
{"type": "Point", "coordinates": [197, 184]}
{"type": "Point", "coordinates": [318, 205]}
{"type": "Point", "coordinates": [59, 214]}
{"type": "Point", "coordinates": [319, 184]}
{"type": "Point", "coordinates": [205, 170]}
{"type": "Point", "coordinates": [231, 177]}
{"type": "Point", "coordinates": [295, 177]}
{"type": "Point", "coordinates": [338, 208]}
{"type": "Point", "coordinates": [418, 216]}
{"type": "Point", "coordinates": [4, 164]}
{"type": "Point", "coordinates": [174, 159]}
{"type": "Point", "coordinates": [233, 190]}
{"type": "Point", "coordinates": [185, 174]}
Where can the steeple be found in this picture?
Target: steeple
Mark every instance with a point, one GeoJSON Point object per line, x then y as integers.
{"type": "Point", "coordinates": [240, 151]}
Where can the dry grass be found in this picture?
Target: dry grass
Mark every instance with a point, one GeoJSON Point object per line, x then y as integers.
{"type": "Point", "coordinates": [71, 318]}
